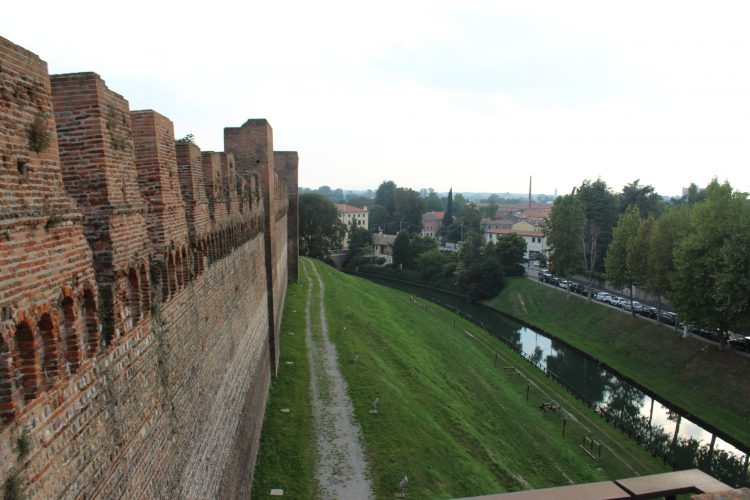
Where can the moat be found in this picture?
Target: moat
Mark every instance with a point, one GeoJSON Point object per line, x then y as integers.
{"type": "Point", "coordinates": [667, 431]}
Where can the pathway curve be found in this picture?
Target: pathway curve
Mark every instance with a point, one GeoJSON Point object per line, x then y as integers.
{"type": "Point", "coordinates": [341, 468]}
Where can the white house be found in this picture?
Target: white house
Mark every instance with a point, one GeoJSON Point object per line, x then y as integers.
{"type": "Point", "coordinates": [535, 240]}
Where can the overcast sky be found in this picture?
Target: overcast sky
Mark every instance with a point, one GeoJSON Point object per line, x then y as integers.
{"type": "Point", "coordinates": [474, 95]}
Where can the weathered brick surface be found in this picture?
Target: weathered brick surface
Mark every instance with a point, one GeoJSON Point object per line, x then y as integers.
{"type": "Point", "coordinates": [252, 147]}
{"type": "Point", "coordinates": [213, 183]}
{"type": "Point", "coordinates": [98, 164]}
{"type": "Point", "coordinates": [137, 358]}
{"type": "Point", "coordinates": [45, 263]}
{"type": "Point", "coordinates": [158, 180]}
{"type": "Point", "coordinates": [229, 186]}
{"type": "Point", "coordinates": [190, 170]}
{"type": "Point", "coordinates": [287, 166]}
{"type": "Point", "coordinates": [30, 181]}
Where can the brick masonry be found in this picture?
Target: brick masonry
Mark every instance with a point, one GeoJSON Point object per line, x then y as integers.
{"type": "Point", "coordinates": [142, 287]}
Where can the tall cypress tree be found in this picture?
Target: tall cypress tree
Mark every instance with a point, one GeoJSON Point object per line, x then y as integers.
{"type": "Point", "coordinates": [448, 218]}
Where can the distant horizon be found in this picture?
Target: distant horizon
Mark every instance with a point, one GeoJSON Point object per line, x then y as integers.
{"type": "Point", "coordinates": [518, 195]}
{"type": "Point", "coordinates": [461, 94]}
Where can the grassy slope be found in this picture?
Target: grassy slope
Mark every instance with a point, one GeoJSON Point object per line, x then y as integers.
{"type": "Point", "coordinates": [450, 419]}
{"type": "Point", "coordinates": [287, 444]}
{"type": "Point", "coordinates": [708, 382]}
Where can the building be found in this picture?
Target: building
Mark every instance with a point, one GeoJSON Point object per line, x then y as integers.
{"type": "Point", "coordinates": [348, 214]}
{"type": "Point", "coordinates": [536, 242]}
{"type": "Point", "coordinates": [431, 223]}
{"type": "Point", "coordinates": [382, 244]}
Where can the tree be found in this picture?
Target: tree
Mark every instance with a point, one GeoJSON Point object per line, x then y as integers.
{"type": "Point", "coordinates": [644, 197]}
{"type": "Point", "coordinates": [469, 220]}
{"type": "Point", "coordinates": [510, 250]}
{"type": "Point", "coordinates": [320, 229]}
{"type": "Point", "coordinates": [431, 201]}
{"type": "Point", "coordinates": [600, 208]}
{"type": "Point", "coordinates": [359, 201]}
{"type": "Point", "coordinates": [360, 245]}
{"type": "Point", "coordinates": [358, 237]}
{"type": "Point", "coordinates": [459, 203]}
{"type": "Point", "coordinates": [409, 208]}
{"type": "Point", "coordinates": [403, 257]}
{"type": "Point", "coordinates": [385, 196]}
{"type": "Point", "coordinates": [733, 280]}
{"type": "Point", "coordinates": [619, 272]}
{"type": "Point", "coordinates": [638, 258]}
{"type": "Point", "coordinates": [704, 292]}
{"type": "Point", "coordinates": [490, 210]}
{"type": "Point", "coordinates": [422, 244]}
{"type": "Point", "coordinates": [430, 264]}
{"type": "Point", "coordinates": [448, 217]}
{"type": "Point", "coordinates": [378, 217]}
{"type": "Point", "coordinates": [564, 231]}
{"type": "Point", "coordinates": [667, 231]}
{"type": "Point", "coordinates": [478, 274]}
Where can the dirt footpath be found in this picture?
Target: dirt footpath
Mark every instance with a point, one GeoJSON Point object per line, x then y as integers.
{"type": "Point", "coordinates": [340, 468]}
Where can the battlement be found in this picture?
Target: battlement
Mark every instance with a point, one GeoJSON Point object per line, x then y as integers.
{"type": "Point", "coordinates": [141, 289]}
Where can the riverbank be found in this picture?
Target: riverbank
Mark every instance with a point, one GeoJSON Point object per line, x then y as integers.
{"type": "Point", "coordinates": [708, 382]}
{"type": "Point", "coordinates": [452, 408]}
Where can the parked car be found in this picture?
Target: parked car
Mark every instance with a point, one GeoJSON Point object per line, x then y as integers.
{"type": "Point", "coordinates": [619, 301]}
{"type": "Point", "coordinates": [636, 306]}
{"type": "Point", "coordinates": [740, 343]}
{"type": "Point", "coordinates": [545, 277]}
{"type": "Point", "coordinates": [602, 296]}
{"type": "Point", "coordinates": [668, 317]}
{"type": "Point", "coordinates": [648, 311]}
{"type": "Point", "coordinates": [563, 283]}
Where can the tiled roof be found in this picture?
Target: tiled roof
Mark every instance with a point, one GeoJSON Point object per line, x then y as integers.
{"type": "Point", "coordinates": [343, 207]}
{"type": "Point", "coordinates": [383, 239]}
{"type": "Point", "coordinates": [433, 215]}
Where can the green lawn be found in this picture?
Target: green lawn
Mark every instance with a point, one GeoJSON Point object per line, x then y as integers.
{"type": "Point", "coordinates": [287, 444]}
{"type": "Point", "coordinates": [710, 383]}
{"type": "Point", "coordinates": [449, 418]}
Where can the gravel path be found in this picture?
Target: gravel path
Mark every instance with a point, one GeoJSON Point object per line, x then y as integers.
{"type": "Point", "coordinates": [341, 468]}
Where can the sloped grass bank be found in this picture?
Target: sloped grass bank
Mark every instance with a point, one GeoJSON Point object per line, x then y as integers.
{"type": "Point", "coordinates": [448, 416]}
{"type": "Point", "coordinates": [710, 383]}
{"type": "Point", "coordinates": [287, 444]}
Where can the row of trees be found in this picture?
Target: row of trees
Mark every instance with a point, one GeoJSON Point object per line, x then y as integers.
{"type": "Point", "coordinates": [691, 252]}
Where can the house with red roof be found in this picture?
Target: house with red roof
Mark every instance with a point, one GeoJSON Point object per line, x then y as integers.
{"type": "Point", "coordinates": [431, 223]}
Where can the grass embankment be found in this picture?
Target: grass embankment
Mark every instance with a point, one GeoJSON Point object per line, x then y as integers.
{"type": "Point", "coordinates": [287, 445]}
{"type": "Point", "coordinates": [711, 383]}
{"type": "Point", "coordinates": [449, 419]}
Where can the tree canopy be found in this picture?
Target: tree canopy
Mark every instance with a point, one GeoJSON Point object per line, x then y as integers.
{"type": "Point", "coordinates": [711, 270]}
{"type": "Point", "coordinates": [620, 264]}
{"type": "Point", "coordinates": [385, 196]}
{"type": "Point", "coordinates": [479, 274]}
{"type": "Point", "coordinates": [320, 229]}
{"type": "Point", "coordinates": [564, 231]}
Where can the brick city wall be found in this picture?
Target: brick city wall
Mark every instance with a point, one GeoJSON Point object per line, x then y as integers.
{"type": "Point", "coordinates": [142, 284]}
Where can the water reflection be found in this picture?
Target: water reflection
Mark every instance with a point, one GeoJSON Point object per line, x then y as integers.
{"type": "Point", "coordinates": [681, 442]}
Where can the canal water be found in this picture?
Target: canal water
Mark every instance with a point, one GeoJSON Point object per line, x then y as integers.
{"type": "Point", "coordinates": [657, 425]}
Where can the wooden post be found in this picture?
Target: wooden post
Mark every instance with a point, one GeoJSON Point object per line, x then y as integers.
{"type": "Point", "coordinates": [564, 422]}
{"type": "Point", "coordinates": [495, 360]}
{"type": "Point", "coordinates": [528, 386]}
